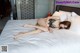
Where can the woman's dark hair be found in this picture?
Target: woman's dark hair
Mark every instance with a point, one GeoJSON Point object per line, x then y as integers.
{"type": "Point", "coordinates": [67, 23]}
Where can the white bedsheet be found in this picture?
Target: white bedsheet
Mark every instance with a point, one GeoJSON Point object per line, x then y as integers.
{"type": "Point", "coordinates": [60, 41]}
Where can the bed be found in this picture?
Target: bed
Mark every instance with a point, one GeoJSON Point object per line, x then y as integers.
{"type": "Point", "coordinates": [45, 42]}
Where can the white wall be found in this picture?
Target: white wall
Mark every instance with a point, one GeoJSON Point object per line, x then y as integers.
{"type": "Point", "coordinates": [42, 7]}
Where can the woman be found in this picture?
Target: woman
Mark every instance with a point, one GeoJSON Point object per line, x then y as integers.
{"type": "Point", "coordinates": [43, 25]}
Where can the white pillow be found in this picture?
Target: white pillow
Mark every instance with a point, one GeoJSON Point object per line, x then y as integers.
{"type": "Point", "coordinates": [75, 24]}
{"type": "Point", "coordinates": [56, 13]}
{"type": "Point", "coordinates": [74, 14]}
{"type": "Point", "coordinates": [62, 15]}
{"type": "Point", "coordinates": [67, 13]}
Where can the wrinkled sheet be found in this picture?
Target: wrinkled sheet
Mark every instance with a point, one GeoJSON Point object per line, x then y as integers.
{"type": "Point", "coordinates": [60, 41]}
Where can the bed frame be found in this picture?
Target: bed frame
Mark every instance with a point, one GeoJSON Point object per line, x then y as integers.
{"type": "Point", "coordinates": [68, 8]}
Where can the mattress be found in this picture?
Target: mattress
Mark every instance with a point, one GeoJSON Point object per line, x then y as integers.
{"type": "Point", "coordinates": [60, 41]}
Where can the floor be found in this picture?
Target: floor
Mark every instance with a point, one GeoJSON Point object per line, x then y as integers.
{"type": "Point", "coordinates": [3, 22]}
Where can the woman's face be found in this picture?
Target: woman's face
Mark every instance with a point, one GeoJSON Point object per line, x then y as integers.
{"type": "Point", "coordinates": [62, 26]}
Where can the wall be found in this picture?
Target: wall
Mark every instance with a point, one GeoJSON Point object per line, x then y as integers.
{"type": "Point", "coordinates": [42, 7]}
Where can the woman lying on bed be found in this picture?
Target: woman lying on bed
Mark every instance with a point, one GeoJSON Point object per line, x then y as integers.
{"type": "Point", "coordinates": [45, 25]}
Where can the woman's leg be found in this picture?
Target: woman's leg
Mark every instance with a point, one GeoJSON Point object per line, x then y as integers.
{"type": "Point", "coordinates": [39, 29]}
{"type": "Point", "coordinates": [22, 34]}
